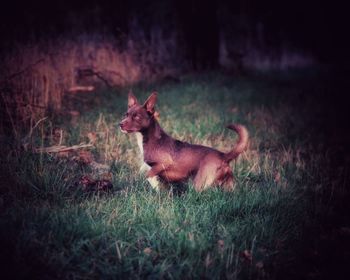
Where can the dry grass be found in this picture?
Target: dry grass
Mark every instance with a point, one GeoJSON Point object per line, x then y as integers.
{"type": "Point", "coordinates": [37, 76]}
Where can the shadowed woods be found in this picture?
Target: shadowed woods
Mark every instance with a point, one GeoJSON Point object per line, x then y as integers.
{"type": "Point", "coordinates": [55, 49]}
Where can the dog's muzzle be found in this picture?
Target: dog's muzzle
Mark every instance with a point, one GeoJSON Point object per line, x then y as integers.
{"type": "Point", "coordinates": [121, 126]}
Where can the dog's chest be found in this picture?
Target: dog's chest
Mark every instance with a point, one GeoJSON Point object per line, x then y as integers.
{"type": "Point", "coordinates": [144, 167]}
{"type": "Point", "coordinates": [146, 154]}
{"type": "Point", "coordinates": [139, 139]}
{"type": "Point", "coordinates": [153, 152]}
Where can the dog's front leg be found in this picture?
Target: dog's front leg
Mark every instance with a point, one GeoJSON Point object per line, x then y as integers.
{"type": "Point", "coordinates": [155, 170]}
{"type": "Point", "coordinates": [152, 177]}
{"type": "Point", "coordinates": [155, 183]}
{"type": "Point", "coordinates": [144, 168]}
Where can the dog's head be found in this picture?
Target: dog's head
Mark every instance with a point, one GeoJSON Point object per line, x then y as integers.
{"type": "Point", "coordinates": [138, 117]}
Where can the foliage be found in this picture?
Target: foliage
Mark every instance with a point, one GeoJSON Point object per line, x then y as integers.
{"type": "Point", "coordinates": [50, 228]}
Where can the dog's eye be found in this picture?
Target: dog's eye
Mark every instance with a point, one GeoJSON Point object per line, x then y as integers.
{"type": "Point", "coordinates": [136, 117]}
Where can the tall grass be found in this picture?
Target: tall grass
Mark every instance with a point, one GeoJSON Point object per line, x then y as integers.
{"type": "Point", "coordinates": [51, 228]}
{"type": "Point", "coordinates": [35, 77]}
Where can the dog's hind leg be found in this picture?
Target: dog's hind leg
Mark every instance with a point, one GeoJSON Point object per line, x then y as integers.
{"type": "Point", "coordinates": [205, 177]}
{"type": "Point", "coordinates": [228, 183]}
{"type": "Point", "coordinates": [214, 173]}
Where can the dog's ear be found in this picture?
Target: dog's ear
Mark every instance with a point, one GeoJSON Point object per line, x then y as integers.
{"type": "Point", "coordinates": [151, 102]}
{"type": "Point", "coordinates": [132, 101]}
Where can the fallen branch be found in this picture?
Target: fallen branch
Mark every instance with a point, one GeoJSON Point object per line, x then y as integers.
{"type": "Point", "coordinates": [118, 75]}
{"type": "Point", "coordinates": [88, 72]}
{"type": "Point", "coordinates": [75, 89]}
{"type": "Point", "coordinates": [59, 149]}
{"type": "Point", "coordinates": [103, 79]}
{"type": "Point", "coordinates": [91, 71]}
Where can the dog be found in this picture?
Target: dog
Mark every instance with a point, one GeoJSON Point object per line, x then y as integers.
{"type": "Point", "coordinates": [174, 161]}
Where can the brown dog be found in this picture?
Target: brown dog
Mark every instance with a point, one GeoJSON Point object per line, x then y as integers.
{"type": "Point", "coordinates": [173, 161]}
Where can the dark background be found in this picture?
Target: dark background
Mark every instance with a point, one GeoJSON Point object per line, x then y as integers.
{"type": "Point", "coordinates": [318, 27]}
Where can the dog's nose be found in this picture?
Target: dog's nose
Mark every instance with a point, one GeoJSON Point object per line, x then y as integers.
{"type": "Point", "coordinates": [122, 124]}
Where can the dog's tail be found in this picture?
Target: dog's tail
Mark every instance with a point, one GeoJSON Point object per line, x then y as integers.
{"type": "Point", "coordinates": [241, 144]}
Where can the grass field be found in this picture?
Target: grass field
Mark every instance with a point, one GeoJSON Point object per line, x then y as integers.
{"type": "Point", "coordinates": [277, 224]}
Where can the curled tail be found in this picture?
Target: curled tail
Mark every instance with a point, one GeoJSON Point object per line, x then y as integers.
{"type": "Point", "coordinates": [241, 144]}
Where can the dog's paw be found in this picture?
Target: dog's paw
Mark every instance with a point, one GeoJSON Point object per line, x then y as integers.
{"type": "Point", "coordinates": [154, 183]}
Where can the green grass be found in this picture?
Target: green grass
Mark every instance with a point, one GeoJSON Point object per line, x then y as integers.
{"type": "Point", "coordinates": [49, 228]}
